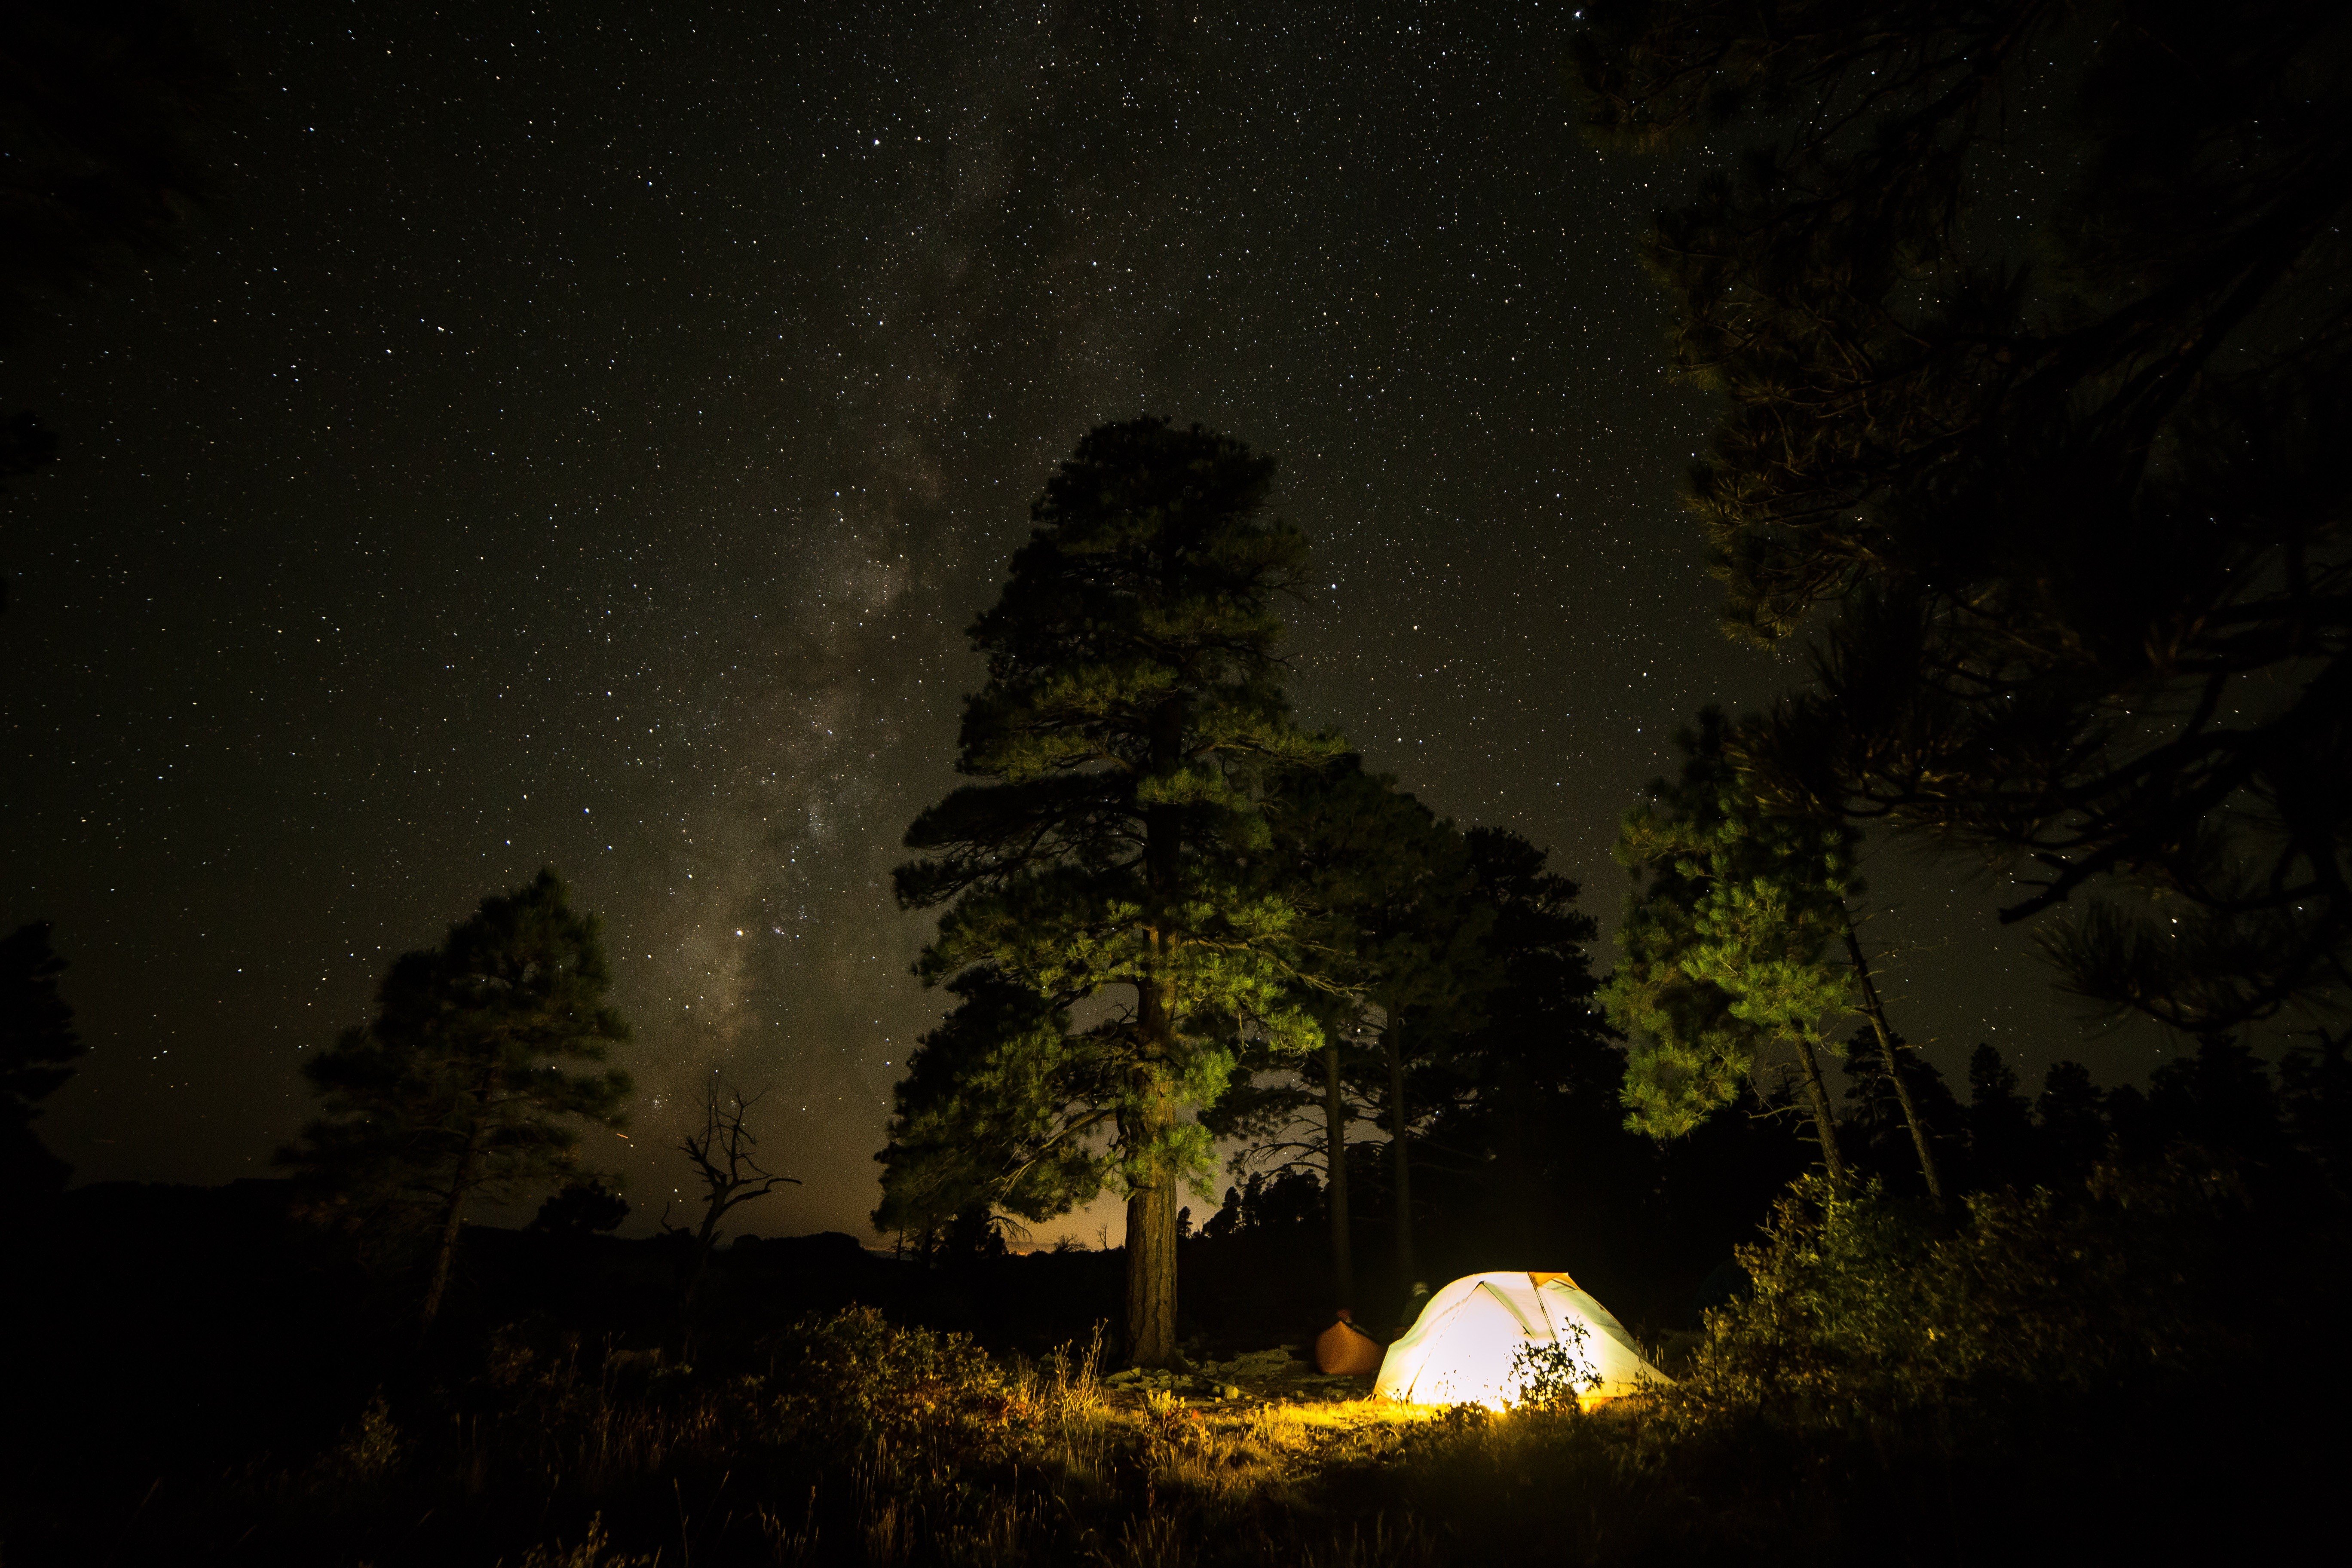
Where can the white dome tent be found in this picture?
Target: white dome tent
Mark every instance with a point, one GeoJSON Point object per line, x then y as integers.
{"type": "Point", "coordinates": [1461, 1350]}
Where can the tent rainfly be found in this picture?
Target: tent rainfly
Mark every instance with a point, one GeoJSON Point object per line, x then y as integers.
{"type": "Point", "coordinates": [1461, 1349]}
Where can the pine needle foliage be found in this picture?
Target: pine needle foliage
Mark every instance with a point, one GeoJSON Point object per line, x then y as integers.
{"type": "Point", "coordinates": [1727, 942]}
{"type": "Point", "coordinates": [466, 1085]}
{"type": "Point", "coordinates": [1133, 719]}
{"type": "Point", "coordinates": [2031, 324]}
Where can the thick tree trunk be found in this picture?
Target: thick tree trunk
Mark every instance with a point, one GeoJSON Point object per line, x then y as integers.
{"type": "Point", "coordinates": [1876, 1012]}
{"type": "Point", "coordinates": [1401, 1158]}
{"type": "Point", "coordinates": [453, 1219]}
{"type": "Point", "coordinates": [1151, 1231]}
{"type": "Point", "coordinates": [1824, 1125]}
{"type": "Point", "coordinates": [1335, 1159]}
{"type": "Point", "coordinates": [1146, 1125]}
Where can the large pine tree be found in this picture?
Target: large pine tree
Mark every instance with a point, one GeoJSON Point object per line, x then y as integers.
{"type": "Point", "coordinates": [1133, 713]}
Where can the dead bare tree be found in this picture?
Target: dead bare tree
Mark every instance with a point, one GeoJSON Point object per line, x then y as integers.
{"type": "Point", "coordinates": [724, 1155]}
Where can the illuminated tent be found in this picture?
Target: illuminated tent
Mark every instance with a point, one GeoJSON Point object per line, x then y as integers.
{"type": "Point", "coordinates": [1460, 1350]}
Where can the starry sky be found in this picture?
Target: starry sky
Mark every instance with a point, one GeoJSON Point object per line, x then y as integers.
{"type": "Point", "coordinates": [580, 436]}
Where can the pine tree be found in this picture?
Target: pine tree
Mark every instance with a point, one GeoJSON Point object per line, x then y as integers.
{"type": "Point", "coordinates": [37, 1042]}
{"type": "Point", "coordinates": [1002, 1107]}
{"type": "Point", "coordinates": [1524, 1086]}
{"type": "Point", "coordinates": [1721, 940]}
{"type": "Point", "coordinates": [2070, 1120]}
{"type": "Point", "coordinates": [1728, 949]}
{"type": "Point", "coordinates": [2000, 1126]}
{"type": "Point", "coordinates": [2061, 498]}
{"type": "Point", "coordinates": [459, 1088]}
{"type": "Point", "coordinates": [1133, 718]}
{"type": "Point", "coordinates": [1382, 889]}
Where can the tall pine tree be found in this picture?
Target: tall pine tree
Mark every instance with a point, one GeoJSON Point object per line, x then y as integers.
{"type": "Point", "coordinates": [1727, 948]}
{"type": "Point", "coordinates": [1133, 715]}
{"type": "Point", "coordinates": [459, 1088]}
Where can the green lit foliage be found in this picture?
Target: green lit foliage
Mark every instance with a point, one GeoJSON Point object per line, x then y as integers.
{"type": "Point", "coordinates": [2062, 496]}
{"type": "Point", "coordinates": [1725, 941]}
{"type": "Point", "coordinates": [464, 1085]}
{"type": "Point", "coordinates": [1550, 1375]}
{"type": "Point", "coordinates": [999, 1107]}
{"type": "Point", "coordinates": [1859, 1315]}
{"type": "Point", "coordinates": [853, 1377]}
{"type": "Point", "coordinates": [1131, 724]}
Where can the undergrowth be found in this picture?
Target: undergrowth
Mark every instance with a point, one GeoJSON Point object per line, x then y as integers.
{"type": "Point", "coordinates": [1894, 1385]}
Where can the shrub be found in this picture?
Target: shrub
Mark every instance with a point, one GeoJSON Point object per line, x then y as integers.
{"type": "Point", "coordinates": [854, 1378]}
{"type": "Point", "coordinates": [1550, 1375]}
{"type": "Point", "coordinates": [1862, 1310]}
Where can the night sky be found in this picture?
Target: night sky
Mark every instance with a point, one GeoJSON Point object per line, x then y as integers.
{"type": "Point", "coordinates": [581, 437]}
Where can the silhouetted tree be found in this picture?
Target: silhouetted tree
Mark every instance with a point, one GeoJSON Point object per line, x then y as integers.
{"type": "Point", "coordinates": [1132, 719]}
{"type": "Point", "coordinates": [1382, 889]}
{"type": "Point", "coordinates": [37, 1042]}
{"type": "Point", "coordinates": [2069, 489]}
{"type": "Point", "coordinates": [459, 1088]}
{"type": "Point", "coordinates": [2001, 1122]}
{"type": "Point", "coordinates": [1527, 1091]}
{"type": "Point", "coordinates": [2071, 1122]}
{"type": "Point", "coordinates": [584, 1206]}
{"type": "Point", "coordinates": [2315, 1092]}
{"type": "Point", "coordinates": [1297, 1117]}
{"type": "Point", "coordinates": [2219, 1097]}
{"type": "Point", "coordinates": [724, 1153]}
{"type": "Point", "coordinates": [1878, 1128]}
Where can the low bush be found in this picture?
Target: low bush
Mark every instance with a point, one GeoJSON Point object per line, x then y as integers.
{"type": "Point", "coordinates": [1862, 1311]}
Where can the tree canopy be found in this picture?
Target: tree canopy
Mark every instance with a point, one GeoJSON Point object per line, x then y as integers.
{"type": "Point", "coordinates": [1726, 941]}
{"type": "Point", "coordinates": [2030, 324]}
{"type": "Point", "coordinates": [36, 1043]}
{"type": "Point", "coordinates": [464, 1084]}
{"type": "Point", "coordinates": [1132, 720]}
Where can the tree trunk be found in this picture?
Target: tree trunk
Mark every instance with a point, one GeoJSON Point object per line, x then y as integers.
{"type": "Point", "coordinates": [1824, 1126]}
{"type": "Point", "coordinates": [453, 1219]}
{"type": "Point", "coordinates": [1335, 1158]}
{"type": "Point", "coordinates": [1401, 1159]}
{"type": "Point", "coordinates": [1145, 1128]}
{"type": "Point", "coordinates": [1876, 1012]}
{"type": "Point", "coordinates": [1151, 1229]}
{"type": "Point", "coordinates": [705, 1242]}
